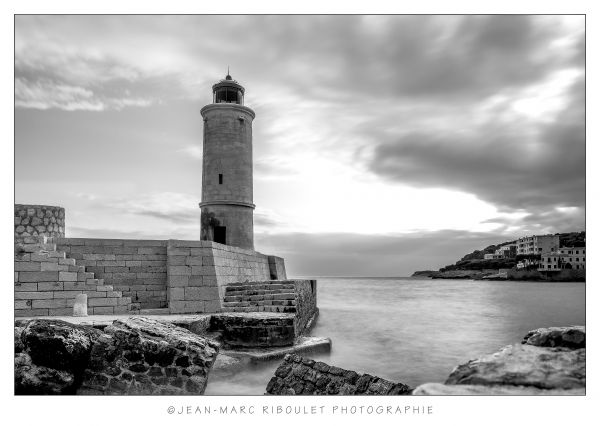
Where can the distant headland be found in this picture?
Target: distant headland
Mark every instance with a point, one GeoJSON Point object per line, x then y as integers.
{"type": "Point", "coordinates": [550, 257]}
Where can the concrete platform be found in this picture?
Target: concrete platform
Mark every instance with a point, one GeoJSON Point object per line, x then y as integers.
{"type": "Point", "coordinates": [100, 321]}
{"type": "Point", "coordinates": [309, 344]}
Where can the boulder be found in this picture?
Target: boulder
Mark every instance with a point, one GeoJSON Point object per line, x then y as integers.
{"type": "Point", "coordinates": [429, 389]}
{"type": "Point", "coordinates": [549, 361]}
{"type": "Point", "coordinates": [524, 365]}
{"type": "Point", "coordinates": [31, 379]}
{"type": "Point", "coordinates": [50, 356]}
{"type": "Point", "coordinates": [19, 347]}
{"type": "Point", "coordinates": [563, 337]}
{"type": "Point", "coordinates": [303, 376]}
{"type": "Point", "coordinates": [58, 344]}
{"type": "Point", "coordinates": [142, 356]}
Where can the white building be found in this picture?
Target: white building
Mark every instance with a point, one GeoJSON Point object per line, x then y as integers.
{"type": "Point", "coordinates": [492, 256]}
{"type": "Point", "coordinates": [538, 244]}
{"type": "Point", "coordinates": [563, 258]}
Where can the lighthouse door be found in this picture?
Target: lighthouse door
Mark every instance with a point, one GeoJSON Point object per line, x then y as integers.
{"type": "Point", "coordinates": [220, 233]}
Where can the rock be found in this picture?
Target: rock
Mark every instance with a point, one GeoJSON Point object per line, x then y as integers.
{"type": "Point", "coordinates": [142, 356]}
{"type": "Point", "coordinates": [31, 379]}
{"type": "Point", "coordinates": [550, 361]}
{"type": "Point", "coordinates": [226, 362]}
{"type": "Point", "coordinates": [524, 365]}
{"type": "Point", "coordinates": [429, 389]}
{"type": "Point", "coordinates": [50, 356]}
{"type": "Point", "coordinates": [565, 337]}
{"type": "Point", "coordinates": [58, 344]}
{"type": "Point", "coordinates": [19, 347]}
{"type": "Point", "coordinates": [297, 375]}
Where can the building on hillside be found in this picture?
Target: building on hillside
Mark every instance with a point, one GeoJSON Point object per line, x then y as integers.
{"type": "Point", "coordinates": [507, 251]}
{"type": "Point", "coordinates": [537, 244]}
{"type": "Point", "coordinates": [563, 258]}
{"type": "Point", "coordinates": [493, 256]}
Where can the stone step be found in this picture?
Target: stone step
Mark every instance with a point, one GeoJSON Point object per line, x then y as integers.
{"type": "Point", "coordinates": [251, 286]}
{"type": "Point", "coordinates": [256, 293]}
{"type": "Point", "coordinates": [244, 303]}
{"type": "Point", "coordinates": [104, 288]}
{"type": "Point", "coordinates": [275, 309]}
{"type": "Point", "coordinates": [155, 311]}
{"type": "Point", "coordinates": [66, 261]}
{"type": "Point", "coordinates": [265, 297]}
{"type": "Point", "coordinates": [57, 254]}
{"type": "Point", "coordinates": [77, 268]}
{"type": "Point", "coordinates": [36, 247]}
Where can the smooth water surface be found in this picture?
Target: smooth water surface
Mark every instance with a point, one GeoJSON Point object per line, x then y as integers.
{"type": "Point", "coordinates": [417, 330]}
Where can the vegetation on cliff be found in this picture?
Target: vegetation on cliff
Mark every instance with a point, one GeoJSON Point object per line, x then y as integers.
{"type": "Point", "coordinates": [475, 261]}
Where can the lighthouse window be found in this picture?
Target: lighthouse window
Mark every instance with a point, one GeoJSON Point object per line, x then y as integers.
{"type": "Point", "coordinates": [228, 95]}
{"type": "Point", "coordinates": [220, 179]}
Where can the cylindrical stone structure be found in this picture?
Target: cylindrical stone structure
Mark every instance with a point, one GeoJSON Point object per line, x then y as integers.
{"type": "Point", "coordinates": [227, 209]}
{"type": "Point", "coordinates": [37, 220]}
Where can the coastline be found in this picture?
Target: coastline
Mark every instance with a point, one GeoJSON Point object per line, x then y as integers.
{"type": "Point", "coordinates": [503, 275]}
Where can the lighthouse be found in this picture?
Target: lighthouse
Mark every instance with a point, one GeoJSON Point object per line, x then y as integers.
{"type": "Point", "coordinates": [226, 209]}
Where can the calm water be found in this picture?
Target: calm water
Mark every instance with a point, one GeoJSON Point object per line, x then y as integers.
{"type": "Point", "coordinates": [417, 330]}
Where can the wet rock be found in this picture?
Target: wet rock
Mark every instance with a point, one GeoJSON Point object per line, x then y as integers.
{"type": "Point", "coordinates": [50, 356]}
{"type": "Point", "coordinates": [153, 357]}
{"type": "Point", "coordinates": [297, 375]}
{"type": "Point", "coordinates": [58, 344]}
{"type": "Point", "coordinates": [31, 379]}
{"type": "Point", "coordinates": [551, 361]}
{"type": "Point", "coordinates": [429, 389]}
{"type": "Point", "coordinates": [562, 337]}
{"type": "Point", "coordinates": [524, 365]}
{"type": "Point", "coordinates": [19, 347]}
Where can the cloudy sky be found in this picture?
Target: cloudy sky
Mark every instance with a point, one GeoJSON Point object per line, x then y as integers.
{"type": "Point", "coordinates": [382, 144]}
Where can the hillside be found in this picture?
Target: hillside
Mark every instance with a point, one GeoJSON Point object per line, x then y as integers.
{"type": "Point", "coordinates": [474, 261]}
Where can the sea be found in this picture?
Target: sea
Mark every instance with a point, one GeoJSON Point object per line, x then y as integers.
{"type": "Point", "coordinates": [416, 330]}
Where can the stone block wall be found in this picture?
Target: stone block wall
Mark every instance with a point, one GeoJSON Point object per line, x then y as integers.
{"type": "Point", "coordinates": [137, 268]}
{"type": "Point", "coordinates": [277, 268]}
{"type": "Point", "coordinates": [36, 220]}
{"type": "Point", "coordinates": [256, 330]}
{"type": "Point", "coordinates": [306, 303]}
{"type": "Point", "coordinates": [46, 283]}
{"type": "Point", "coordinates": [198, 271]}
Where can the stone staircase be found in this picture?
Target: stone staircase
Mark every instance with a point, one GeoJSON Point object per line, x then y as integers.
{"type": "Point", "coordinates": [259, 297]}
{"type": "Point", "coordinates": [46, 280]}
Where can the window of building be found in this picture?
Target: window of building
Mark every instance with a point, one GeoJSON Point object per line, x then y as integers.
{"type": "Point", "coordinates": [220, 179]}
{"type": "Point", "coordinates": [576, 259]}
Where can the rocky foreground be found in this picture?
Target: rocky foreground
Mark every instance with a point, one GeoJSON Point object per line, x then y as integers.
{"type": "Point", "coordinates": [133, 356]}
{"type": "Point", "coordinates": [142, 356]}
{"type": "Point", "coordinates": [302, 376]}
{"type": "Point", "coordinates": [548, 361]}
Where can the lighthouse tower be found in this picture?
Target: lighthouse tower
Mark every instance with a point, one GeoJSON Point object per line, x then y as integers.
{"type": "Point", "coordinates": [227, 209]}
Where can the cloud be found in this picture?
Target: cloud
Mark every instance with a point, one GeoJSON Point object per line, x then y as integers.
{"type": "Point", "coordinates": [353, 114]}
{"type": "Point", "coordinates": [194, 151]}
{"type": "Point", "coordinates": [46, 94]}
{"type": "Point", "coordinates": [516, 165]}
